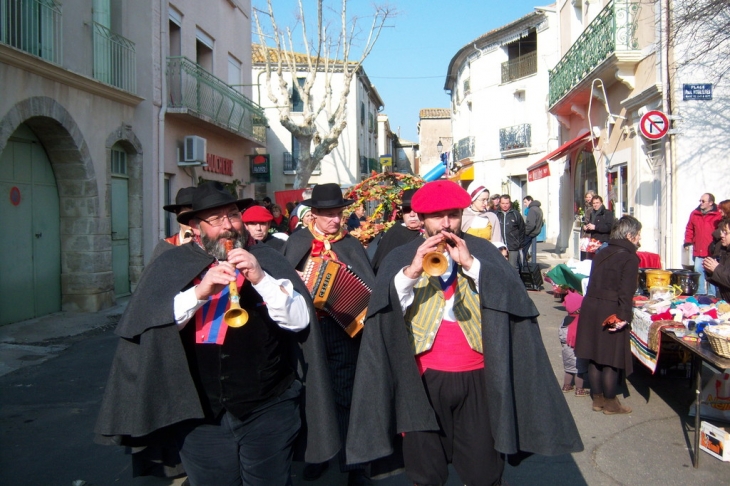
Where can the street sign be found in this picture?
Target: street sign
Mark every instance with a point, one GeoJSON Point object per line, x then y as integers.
{"type": "Point", "coordinates": [701, 92]}
{"type": "Point", "coordinates": [654, 125]}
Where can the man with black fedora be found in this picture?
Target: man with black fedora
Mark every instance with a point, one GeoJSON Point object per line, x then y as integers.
{"type": "Point", "coordinates": [226, 392]}
{"type": "Point", "coordinates": [325, 237]}
{"type": "Point", "coordinates": [402, 232]}
{"type": "Point", "coordinates": [183, 203]}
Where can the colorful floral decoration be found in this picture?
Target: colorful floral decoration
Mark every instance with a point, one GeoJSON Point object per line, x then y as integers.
{"type": "Point", "coordinates": [387, 189]}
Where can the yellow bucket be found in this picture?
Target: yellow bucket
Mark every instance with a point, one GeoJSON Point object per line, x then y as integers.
{"type": "Point", "coordinates": [657, 278]}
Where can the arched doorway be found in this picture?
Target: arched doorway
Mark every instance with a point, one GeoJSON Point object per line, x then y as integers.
{"type": "Point", "coordinates": [30, 245]}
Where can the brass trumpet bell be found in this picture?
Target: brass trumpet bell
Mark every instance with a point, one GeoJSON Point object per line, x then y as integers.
{"type": "Point", "coordinates": [235, 316]}
{"type": "Point", "coordinates": [435, 263]}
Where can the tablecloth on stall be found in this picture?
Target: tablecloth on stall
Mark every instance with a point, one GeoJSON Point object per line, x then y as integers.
{"type": "Point", "coordinates": [648, 259]}
{"type": "Point", "coordinates": [561, 274]}
{"type": "Point", "coordinates": [646, 337]}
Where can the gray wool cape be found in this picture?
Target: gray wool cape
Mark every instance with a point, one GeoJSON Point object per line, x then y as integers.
{"type": "Point", "coordinates": [150, 387]}
{"type": "Point", "coordinates": [527, 410]}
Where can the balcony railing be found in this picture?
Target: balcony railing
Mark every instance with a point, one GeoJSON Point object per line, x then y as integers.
{"type": "Point", "coordinates": [115, 60]}
{"type": "Point", "coordinates": [291, 163]}
{"type": "Point", "coordinates": [613, 29]}
{"type": "Point", "coordinates": [197, 91]}
{"type": "Point", "coordinates": [519, 67]}
{"type": "Point", "coordinates": [33, 26]}
{"type": "Point", "coordinates": [464, 148]}
{"type": "Point", "coordinates": [515, 138]}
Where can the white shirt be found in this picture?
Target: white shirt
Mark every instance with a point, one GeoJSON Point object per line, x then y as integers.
{"type": "Point", "coordinates": [285, 305]}
{"type": "Point", "coordinates": [404, 286]}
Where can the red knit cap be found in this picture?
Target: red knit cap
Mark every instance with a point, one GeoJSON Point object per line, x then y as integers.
{"type": "Point", "coordinates": [440, 195]}
{"type": "Point", "coordinates": [257, 214]}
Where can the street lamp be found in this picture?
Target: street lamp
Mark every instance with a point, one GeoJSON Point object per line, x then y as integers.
{"type": "Point", "coordinates": [440, 147]}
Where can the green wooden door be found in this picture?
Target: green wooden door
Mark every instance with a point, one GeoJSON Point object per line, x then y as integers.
{"type": "Point", "coordinates": [30, 248]}
{"type": "Point", "coordinates": [120, 223]}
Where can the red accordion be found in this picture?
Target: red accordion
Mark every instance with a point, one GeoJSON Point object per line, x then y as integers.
{"type": "Point", "coordinates": [337, 291]}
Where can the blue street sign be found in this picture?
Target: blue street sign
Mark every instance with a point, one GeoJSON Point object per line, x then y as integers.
{"type": "Point", "coordinates": [697, 92]}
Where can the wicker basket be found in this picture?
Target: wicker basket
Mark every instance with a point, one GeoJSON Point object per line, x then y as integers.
{"type": "Point", "coordinates": [720, 344]}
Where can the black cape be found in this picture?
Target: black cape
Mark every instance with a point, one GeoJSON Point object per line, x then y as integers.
{"type": "Point", "coordinates": [396, 236]}
{"type": "Point", "coordinates": [527, 410]}
{"type": "Point", "coordinates": [150, 387]}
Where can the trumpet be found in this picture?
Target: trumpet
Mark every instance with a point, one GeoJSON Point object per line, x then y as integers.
{"type": "Point", "coordinates": [435, 263]}
{"type": "Point", "coordinates": [235, 316]}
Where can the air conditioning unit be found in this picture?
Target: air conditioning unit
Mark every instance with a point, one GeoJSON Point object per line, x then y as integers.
{"type": "Point", "coordinates": [194, 151]}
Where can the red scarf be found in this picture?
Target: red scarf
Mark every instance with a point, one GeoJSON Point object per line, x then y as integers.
{"type": "Point", "coordinates": [322, 244]}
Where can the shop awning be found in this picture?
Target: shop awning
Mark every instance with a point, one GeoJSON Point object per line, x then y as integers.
{"type": "Point", "coordinates": [540, 169]}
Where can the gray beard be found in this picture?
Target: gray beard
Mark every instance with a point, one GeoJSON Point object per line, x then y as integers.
{"type": "Point", "coordinates": [217, 248]}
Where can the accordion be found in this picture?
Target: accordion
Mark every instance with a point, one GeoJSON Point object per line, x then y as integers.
{"type": "Point", "coordinates": [337, 291]}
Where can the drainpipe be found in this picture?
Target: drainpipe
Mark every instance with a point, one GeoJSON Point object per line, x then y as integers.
{"type": "Point", "coordinates": [669, 143]}
{"type": "Point", "coordinates": [161, 118]}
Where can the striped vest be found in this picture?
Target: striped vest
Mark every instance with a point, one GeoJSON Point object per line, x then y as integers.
{"type": "Point", "coordinates": [424, 316]}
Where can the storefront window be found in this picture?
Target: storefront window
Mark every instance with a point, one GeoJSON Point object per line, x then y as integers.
{"type": "Point", "coordinates": [619, 190]}
{"type": "Point", "coordinates": [586, 179]}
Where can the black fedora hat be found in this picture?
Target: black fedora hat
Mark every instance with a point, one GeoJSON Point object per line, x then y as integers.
{"type": "Point", "coordinates": [183, 199]}
{"type": "Point", "coordinates": [327, 196]}
{"type": "Point", "coordinates": [407, 197]}
{"type": "Point", "coordinates": [209, 196]}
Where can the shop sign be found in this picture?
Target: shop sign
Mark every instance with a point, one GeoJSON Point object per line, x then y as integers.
{"type": "Point", "coordinates": [539, 173]}
{"type": "Point", "coordinates": [260, 168]}
{"type": "Point", "coordinates": [218, 164]}
{"type": "Point", "coordinates": [702, 92]}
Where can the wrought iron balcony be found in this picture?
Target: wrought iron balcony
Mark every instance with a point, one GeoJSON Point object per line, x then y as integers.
{"type": "Point", "coordinates": [33, 26]}
{"type": "Point", "coordinates": [519, 67]}
{"type": "Point", "coordinates": [115, 60]}
{"type": "Point", "coordinates": [613, 30]}
{"type": "Point", "coordinates": [515, 140]}
{"type": "Point", "coordinates": [194, 90]}
{"type": "Point", "coordinates": [464, 148]}
{"type": "Point", "coordinates": [291, 163]}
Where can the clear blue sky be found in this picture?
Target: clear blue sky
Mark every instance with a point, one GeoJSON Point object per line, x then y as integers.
{"type": "Point", "coordinates": [408, 65]}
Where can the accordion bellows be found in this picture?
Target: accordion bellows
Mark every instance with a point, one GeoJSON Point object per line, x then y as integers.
{"type": "Point", "coordinates": [337, 291]}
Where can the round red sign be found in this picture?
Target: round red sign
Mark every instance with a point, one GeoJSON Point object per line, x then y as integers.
{"type": "Point", "coordinates": [14, 196]}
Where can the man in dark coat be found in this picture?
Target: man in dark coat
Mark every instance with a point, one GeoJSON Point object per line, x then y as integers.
{"type": "Point", "coordinates": [326, 238]}
{"type": "Point", "coordinates": [513, 229]}
{"type": "Point", "coordinates": [601, 222]}
{"type": "Point", "coordinates": [428, 338]}
{"type": "Point", "coordinates": [401, 232]}
{"type": "Point", "coordinates": [183, 373]}
{"type": "Point", "coordinates": [533, 226]}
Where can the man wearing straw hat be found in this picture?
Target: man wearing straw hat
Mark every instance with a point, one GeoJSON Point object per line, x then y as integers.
{"type": "Point", "coordinates": [227, 396]}
{"type": "Point", "coordinates": [454, 362]}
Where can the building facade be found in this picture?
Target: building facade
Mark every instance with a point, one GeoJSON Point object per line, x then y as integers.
{"type": "Point", "coordinates": [99, 96]}
{"type": "Point", "coordinates": [357, 152]}
{"type": "Point", "coordinates": [617, 65]}
{"type": "Point", "coordinates": [434, 138]}
{"type": "Point", "coordinates": [499, 88]}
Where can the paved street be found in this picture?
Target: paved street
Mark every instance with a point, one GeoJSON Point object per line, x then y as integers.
{"type": "Point", "coordinates": [52, 385]}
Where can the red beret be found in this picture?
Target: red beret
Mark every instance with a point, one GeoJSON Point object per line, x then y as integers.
{"type": "Point", "coordinates": [440, 195]}
{"type": "Point", "coordinates": [257, 214]}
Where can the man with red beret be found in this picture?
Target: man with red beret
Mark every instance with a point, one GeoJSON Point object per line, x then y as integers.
{"type": "Point", "coordinates": [257, 220]}
{"type": "Point", "coordinates": [454, 362]}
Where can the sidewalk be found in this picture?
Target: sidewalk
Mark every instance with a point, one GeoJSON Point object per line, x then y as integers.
{"type": "Point", "coordinates": [55, 368]}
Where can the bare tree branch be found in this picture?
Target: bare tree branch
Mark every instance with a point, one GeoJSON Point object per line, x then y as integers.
{"type": "Point", "coordinates": [325, 60]}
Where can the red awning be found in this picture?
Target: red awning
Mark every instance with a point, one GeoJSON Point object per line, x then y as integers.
{"type": "Point", "coordinates": [562, 150]}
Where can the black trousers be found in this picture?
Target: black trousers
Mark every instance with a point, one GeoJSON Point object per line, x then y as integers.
{"type": "Point", "coordinates": [461, 404]}
{"type": "Point", "coordinates": [342, 352]}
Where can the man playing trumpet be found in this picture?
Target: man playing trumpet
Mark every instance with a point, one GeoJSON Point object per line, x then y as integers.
{"type": "Point", "coordinates": [454, 361]}
{"type": "Point", "coordinates": [226, 391]}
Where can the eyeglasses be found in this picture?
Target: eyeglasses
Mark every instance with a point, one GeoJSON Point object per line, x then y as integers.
{"type": "Point", "coordinates": [703, 201]}
{"type": "Point", "coordinates": [215, 221]}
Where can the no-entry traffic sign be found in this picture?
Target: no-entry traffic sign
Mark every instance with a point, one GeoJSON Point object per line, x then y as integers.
{"type": "Point", "coordinates": [654, 125]}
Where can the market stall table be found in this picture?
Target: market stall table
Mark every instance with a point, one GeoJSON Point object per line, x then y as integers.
{"type": "Point", "coordinates": [701, 353]}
